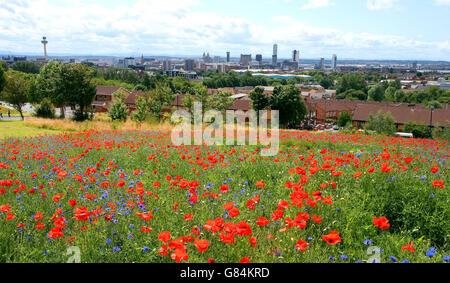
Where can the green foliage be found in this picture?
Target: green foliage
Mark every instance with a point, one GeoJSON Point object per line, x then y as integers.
{"type": "Point", "coordinates": [26, 67]}
{"type": "Point", "coordinates": [65, 84]}
{"type": "Point", "coordinates": [45, 109]}
{"type": "Point", "coordinates": [220, 101]}
{"type": "Point", "coordinates": [442, 133]}
{"type": "Point", "coordinates": [260, 100]}
{"type": "Point", "coordinates": [102, 81]}
{"type": "Point", "coordinates": [15, 91]}
{"type": "Point", "coordinates": [2, 78]}
{"type": "Point", "coordinates": [344, 118]}
{"type": "Point", "coordinates": [161, 97]}
{"type": "Point", "coordinates": [188, 103]}
{"type": "Point", "coordinates": [381, 123]}
{"type": "Point", "coordinates": [352, 94]}
{"type": "Point", "coordinates": [418, 130]}
{"type": "Point", "coordinates": [118, 110]}
{"type": "Point", "coordinates": [288, 100]}
{"type": "Point", "coordinates": [351, 82]}
{"type": "Point", "coordinates": [142, 109]}
{"type": "Point", "coordinates": [376, 93]}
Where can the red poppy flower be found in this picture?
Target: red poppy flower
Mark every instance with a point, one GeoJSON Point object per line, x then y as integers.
{"type": "Point", "coordinates": [381, 222]}
{"type": "Point", "coordinates": [228, 206]}
{"type": "Point", "coordinates": [245, 260]}
{"type": "Point", "coordinates": [301, 245]}
{"type": "Point", "coordinates": [409, 247]}
{"type": "Point", "coordinates": [164, 236]}
{"type": "Point", "coordinates": [201, 245]}
{"type": "Point", "coordinates": [332, 238]}
{"type": "Point", "coordinates": [262, 221]}
{"type": "Point", "coordinates": [233, 212]}
{"type": "Point", "coordinates": [252, 241]}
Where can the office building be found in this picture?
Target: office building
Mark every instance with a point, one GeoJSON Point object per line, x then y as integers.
{"type": "Point", "coordinates": [322, 64]}
{"type": "Point", "coordinates": [334, 62]}
{"type": "Point", "coordinates": [275, 55]}
{"type": "Point", "coordinates": [259, 58]}
{"type": "Point", "coordinates": [245, 59]}
{"type": "Point", "coordinates": [228, 57]}
{"type": "Point", "coordinates": [296, 56]}
{"type": "Point", "coordinates": [189, 65]}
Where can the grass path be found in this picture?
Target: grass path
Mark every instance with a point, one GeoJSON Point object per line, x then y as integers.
{"type": "Point", "coordinates": [19, 129]}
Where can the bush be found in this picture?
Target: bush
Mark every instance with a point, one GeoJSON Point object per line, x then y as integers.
{"type": "Point", "coordinates": [418, 130]}
{"type": "Point", "coordinates": [344, 119]}
{"type": "Point", "coordinates": [381, 123]}
{"type": "Point", "coordinates": [45, 109]}
{"type": "Point", "coordinates": [442, 133]}
{"type": "Point", "coordinates": [118, 109]}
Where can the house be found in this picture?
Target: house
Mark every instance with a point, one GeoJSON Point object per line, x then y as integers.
{"type": "Point", "coordinates": [402, 114]}
{"type": "Point", "coordinates": [104, 96]}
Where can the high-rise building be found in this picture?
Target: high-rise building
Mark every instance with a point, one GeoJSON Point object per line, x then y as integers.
{"type": "Point", "coordinates": [228, 57]}
{"type": "Point", "coordinates": [129, 61]}
{"type": "Point", "coordinates": [322, 64]}
{"type": "Point", "coordinates": [334, 62]}
{"type": "Point", "coordinates": [258, 58]}
{"type": "Point", "coordinates": [245, 59]}
{"type": "Point", "coordinates": [189, 65]}
{"type": "Point", "coordinates": [295, 56]}
{"type": "Point", "coordinates": [166, 66]}
{"type": "Point", "coordinates": [275, 55]}
{"type": "Point", "coordinates": [216, 59]}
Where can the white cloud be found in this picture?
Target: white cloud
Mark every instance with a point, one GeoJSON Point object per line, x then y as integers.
{"type": "Point", "coordinates": [175, 27]}
{"type": "Point", "coordinates": [442, 2]}
{"type": "Point", "coordinates": [380, 4]}
{"type": "Point", "coordinates": [314, 4]}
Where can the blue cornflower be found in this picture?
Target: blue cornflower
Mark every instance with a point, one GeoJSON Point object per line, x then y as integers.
{"type": "Point", "coordinates": [405, 261]}
{"type": "Point", "coordinates": [331, 257]}
{"type": "Point", "coordinates": [344, 257]}
{"type": "Point", "coordinates": [393, 258]}
{"type": "Point", "coordinates": [368, 242]}
{"type": "Point", "coordinates": [446, 258]}
{"type": "Point", "coordinates": [108, 241]}
{"type": "Point", "coordinates": [431, 252]}
{"type": "Point", "coordinates": [145, 249]}
{"type": "Point", "coordinates": [116, 249]}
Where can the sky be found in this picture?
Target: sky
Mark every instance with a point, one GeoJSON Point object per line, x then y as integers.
{"type": "Point", "coordinates": [352, 29]}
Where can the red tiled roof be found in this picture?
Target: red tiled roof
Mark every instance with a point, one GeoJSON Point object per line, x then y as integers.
{"type": "Point", "coordinates": [131, 99]}
{"type": "Point", "coordinates": [108, 90]}
{"type": "Point", "coordinates": [244, 105]}
{"type": "Point", "coordinates": [403, 114]}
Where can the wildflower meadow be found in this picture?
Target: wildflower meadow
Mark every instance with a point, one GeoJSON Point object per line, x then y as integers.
{"type": "Point", "coordinates": [133, 196]}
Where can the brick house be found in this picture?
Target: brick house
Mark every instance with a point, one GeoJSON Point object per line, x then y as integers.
{"type": "Point", "coordinates": [104, 97]}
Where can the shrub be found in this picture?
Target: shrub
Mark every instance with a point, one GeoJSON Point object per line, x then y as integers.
{"type": "Point", "coordinates": [418, 130]}
{"type": "Point", "coordinates": [381, 123]}
{"type": "Point", "coordinates": [45, 109]}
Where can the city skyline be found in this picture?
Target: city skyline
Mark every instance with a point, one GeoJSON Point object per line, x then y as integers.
{"type": "Point", "coordinates": [317, 28]}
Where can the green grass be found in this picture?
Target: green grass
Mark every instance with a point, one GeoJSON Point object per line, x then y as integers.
{"type": "Point", "coordinates": [14, 112]}
{"type": "Point", "coordinates": [19, 129]}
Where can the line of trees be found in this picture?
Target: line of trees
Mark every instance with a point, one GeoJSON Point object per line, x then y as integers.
{"type": "Point", "coordinates": [57, 84]}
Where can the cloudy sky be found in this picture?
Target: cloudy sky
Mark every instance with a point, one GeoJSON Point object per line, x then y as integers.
{"type": "Point", "coordinates": [359, 29]}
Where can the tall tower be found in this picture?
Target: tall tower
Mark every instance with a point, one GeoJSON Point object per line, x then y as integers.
{"type": "Point", "coordinates": [334, 62]}
{"type": "Point", "coordinates": [228, 57]}
{"type": "Point", "coordinates": [275, 55]}
{"type": "Point", "coordinates": [44, 41]}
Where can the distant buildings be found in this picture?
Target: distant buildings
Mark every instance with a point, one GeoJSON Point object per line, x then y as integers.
{"type": "Point", "coordinates": [216, 59]}
{"type": "Point", "coordinates": [228, 57]}
{"type": "Point", "coordinates": [259, 58]}
{"type": "Point", "coordinates": [334, 62]}
{"type": "Point", "coordinates": [166, 66]}
{"type": "Point", "coordinates": [275, 55]}
{"type": "Point", "coordinates": [322, 64]}
{"type": "Point", "coordinates": [296, 56]}
{"type": "Point", "coordinates": [45, 42]}
{"type": "Point", "coordinates": [189, 65]}
{"type": "Point", "coordinates": [245, 59]}
{"type": "Point", "coordinates": [206, 58]}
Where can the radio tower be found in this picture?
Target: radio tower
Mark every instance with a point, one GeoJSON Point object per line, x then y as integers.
{"type": "Point", "coordinates": [44, 41]}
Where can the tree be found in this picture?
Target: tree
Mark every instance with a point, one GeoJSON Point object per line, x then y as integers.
{"type": "Point", "coordinates": [418, 130]}
{"type": "Point", "coordinates": [376, 93]}
{"type": "Point", "coordinates": [220, 101]}
{"type": "Point", "coordinates": [344, 119]}
{"type": "Point", "coordinates": [188, 103]}
{"type": "Point", "coordinates": [26, 67]}
{"type": "Point", "coordinates": [351, 81]}
{"type": "Point", "coordinates": [65, 84]}
{"type": "Point", "coordinates": [15, 91]}
{"type": "Point", "coordinates": [260, 100]}
{"type": "Point", "coordinates": [142, 109]}
{"type": "Point", "coordinates": [288, 100]}
{"type": "Point", "coordinates": [45, 109]}
{"type": "Point", "coordinates": [2, 78]}
{"type": "Point", "coordinates": [434, 104]}
{"type": "Point", "coordinates": [118, 110]}
{"type": "Point", "coordinates": [381, 123]}
{"type": "Point", "coordinates": [389, 94]}
{"type": "Point", "coordinates": [161, 97]}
